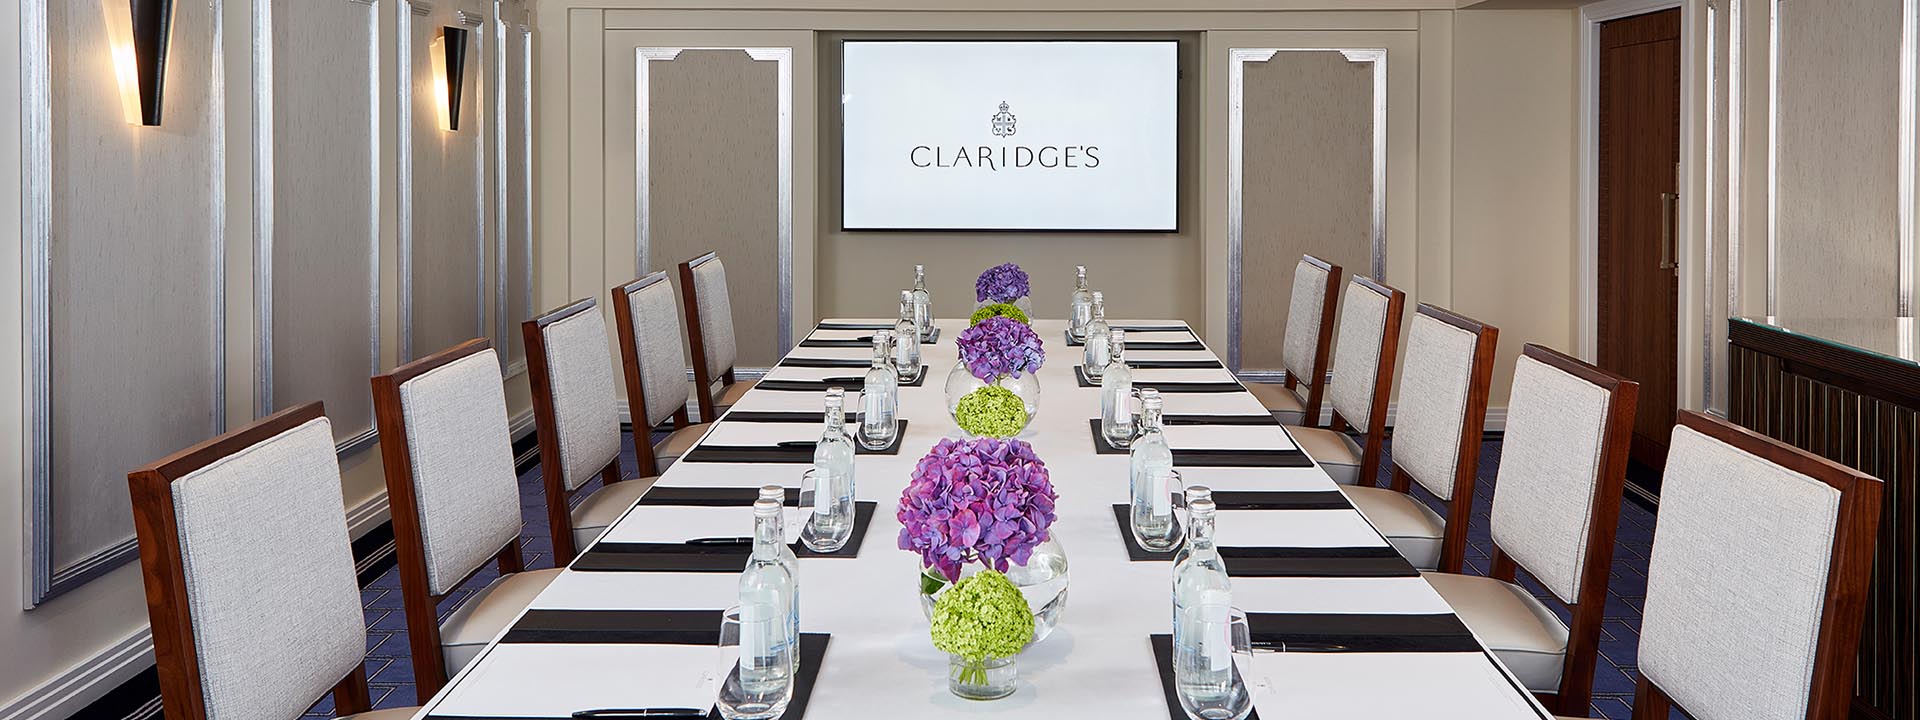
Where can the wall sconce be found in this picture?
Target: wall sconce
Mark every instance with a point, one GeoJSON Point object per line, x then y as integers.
{"type": "Point", "coordinates": [449, 54]}
{"type": "Point", "coordinates": [138, 32]}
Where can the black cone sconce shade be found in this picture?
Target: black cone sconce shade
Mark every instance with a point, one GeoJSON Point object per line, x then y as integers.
{"type": "Point", "coordinates": [138, 33]}
{"type": "Point", "coordinates": [453, 43]}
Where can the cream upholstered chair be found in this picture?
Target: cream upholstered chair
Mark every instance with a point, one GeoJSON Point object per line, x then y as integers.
{"type": "Point", "coordinates": [1556, 507]}
{"type": "Point", "coordinates": [653, 363]}
{"type": "Point", "coordinates": [1368, 347]}
{"type": "Point", "coordinates": [250, 581]}
{"type": "Point", "coordinates": [1316, 290]}
{"type": "Point", "coordinates": [447, 451]}
{"type": "Point", "coordinates": [575, 409]}
{"type": "Point", "coordinates": [1758, 579]}
{"type": "Point", "coordinates": [1436, 439]}
{"type": "Point", "coordinates": [703, 289]}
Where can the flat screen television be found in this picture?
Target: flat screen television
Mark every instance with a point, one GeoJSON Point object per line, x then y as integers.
{"type": "Point", "coordinates": [1013, 135]}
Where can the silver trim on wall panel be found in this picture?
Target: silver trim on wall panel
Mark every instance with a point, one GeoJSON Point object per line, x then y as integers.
{"type": "Point", "coordinates": [526, 176]}
{"type": "Point", "coordinates": [480, 201]}
{"type": "Point", "coordinates": [643, 211]}
{"type": "Point", "coordinates": [1773, 157]}
{"type": "Point", "coordinates": [217, 212]}
{"type": "Point", "coordinates": [403, 165]}
{"type": "Point", "coordinates": [1909, 85]}
{"type": "Point", "coordinates": [262, 47]}
{"type": "Point", "coordinates": [1237, 58]}
{"type": "Point", "coordinates": [1712, 177]}
{"type": "Point", "coordinates": [373, 196]}
{"type": "Point", "coordinates": [502, 327]}
{"type": "Point", "coordinates": [1736, 147]}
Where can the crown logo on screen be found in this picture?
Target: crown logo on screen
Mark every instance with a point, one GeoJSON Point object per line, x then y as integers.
{"type": "Point", "coordinates": [1003, 122]}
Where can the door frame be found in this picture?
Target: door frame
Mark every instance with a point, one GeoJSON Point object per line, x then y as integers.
{"type": "Point", "coordinates": [1693, 361]}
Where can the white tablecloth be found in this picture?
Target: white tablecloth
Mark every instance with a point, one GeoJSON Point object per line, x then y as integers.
{"type": "Point", "coordinates": [1097, 663]}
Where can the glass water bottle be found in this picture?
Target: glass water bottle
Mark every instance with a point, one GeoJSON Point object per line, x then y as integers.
{"type": "Point", "coordinates": [1193, 494]}
{"type": "Point", "coordinates": [880, 394]}
{"type": "Point", "coordinates": [1116, 394]}
{"type": "Point", "coordinates": [831, 522]}
{"type": "Point", "coordinates": [922, 303]}
{"type": "Point", "coordinates": [1095, 354]}
{"type": "Point", "coordinates": [1082, 309]}
{"type": "Point", "coordinates": [1151, 481]}
{"type": "Point", "coordinates": [1204, 642]}
{"type": "Point", "coordinates": [778, 495]}
{"type": "Point", "coordinates": [906, 352]}
{"type": "Point", "coordinates": [761, 684]}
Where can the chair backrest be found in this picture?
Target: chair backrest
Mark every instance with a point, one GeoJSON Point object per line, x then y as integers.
{"type": "Point", "coordinates": [651, 353]}
{"type": "Point", "coordinates": [1366, 349]}
{"type": "Point", "coordinates": [1309, 331]}
{"type": "Point", "coordinates": [1442, 413]}
{"type": "Point", "coordinates": [576, 407]}
{"type": "Point", "coordinates": [250, 581]}
{"type": "Point", "coordinates": [448, 454]}
{"type": "Point", "coordinates": [703, 289]}
{"type": "Point", "coordinates": [1757, 580]}
{"type": "Point", "coordinates": [1556, 504]}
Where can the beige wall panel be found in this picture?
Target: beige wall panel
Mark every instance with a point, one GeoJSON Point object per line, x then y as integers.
{"type": "Point", "coordinates": [1307, 184]}
{"type": "Point", "coordinates": [135, 257]}
{"type": "Point", "coordinates": [449, 240]}
{"type": "Point", "coordinates": [1839, 121]}
{"type": "Point", "coordinates": [324, 246]}
{"type": "Point", "coordinates": [1143, 274]}
{"type": "Point", "coordinates": [713, 181]}
{"type": "Point", "coordinates": [1514, 160]}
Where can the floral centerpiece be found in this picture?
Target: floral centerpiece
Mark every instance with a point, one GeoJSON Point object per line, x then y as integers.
{"type": "Point", "coordinates": [985, 502]}
{"type": "Point", "coordinates": [1005, 283]}
{"type": "Point", "coordinates": [982, 623]}
{"type": "Point", "coordinates": [1005, 310]}
{"type": "Point", "coordinates": [998, 359]}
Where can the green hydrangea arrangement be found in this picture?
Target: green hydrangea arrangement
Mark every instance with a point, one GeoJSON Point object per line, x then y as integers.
{"type": "Point", "coordinates": [991, 411]}
{"type": "Point", "coordinates": [982, 616]}
{"type": "Point", "coordinates": [1005, 310]}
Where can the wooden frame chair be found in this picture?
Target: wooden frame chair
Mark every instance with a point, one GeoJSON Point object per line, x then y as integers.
{"type": "Point", "coordinates": [710, 363]}
{"type": "Point", "coordinates": [1834, 651]}
{"type": "Point", "coordinates": [157, 495]}
{"type": "Point", "coordinates": [1395, 512]}
{"type": "Point", "coordinates": [561, 479]}
{"type": "Point", "coordinates": [1499, 610]}
{"type": "Point", "coordinates": [1331, 446]}
{"type": "Point", "coordinates": [670, 400]}
{"type": "Point", "coordinates": [420, 592]}
{"type": "Point", "coordinates": [1284, 403]}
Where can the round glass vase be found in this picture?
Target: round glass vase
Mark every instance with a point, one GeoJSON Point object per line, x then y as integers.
{"type": "Point", "coordinates": [987, 679]}
{"type": "Point", "coordinates": [1023, 302]}
{"type": "Point", "coordinates": [961, 382]}
{"type": "Point", "coordinates": [1042, 581]}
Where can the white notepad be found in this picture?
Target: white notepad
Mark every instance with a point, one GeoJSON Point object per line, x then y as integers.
{"type": "Point", "coordinates": [556, 680]}
{"type": "Point", "coordinates": [680, 523]}
{"type": "Point", "coordinates": [1293, 528]}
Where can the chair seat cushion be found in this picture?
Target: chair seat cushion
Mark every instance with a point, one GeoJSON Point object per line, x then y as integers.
{"type": "Point", "coordinates": [594, 514]}
{"type": "Point", "coordinates": [1414, 529]}
{"type": "Point", "coordinates": [1338, 454]}
{"type": "Point", "coordinates": [731, 394]}
{"type": "Point", "coordinates": [399, 713]}
{"type": "Point", "coordinates": [482, 617]}
{"type": "Point", "coordinates": [1282, 402]}
{"type": "Point", "coordinates": [1520, 630]}
{"type": "Point", "coordinates": [678, 443]}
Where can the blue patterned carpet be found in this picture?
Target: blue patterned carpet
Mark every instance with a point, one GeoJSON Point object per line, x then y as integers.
{"type": "Point", "coordinates": [390, 668]}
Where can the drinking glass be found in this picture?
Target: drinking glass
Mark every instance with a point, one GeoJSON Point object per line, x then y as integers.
{"type": "Point", "coordinates": [756, 681]}
{"type": "Point", "coordinates": [1207, 694]}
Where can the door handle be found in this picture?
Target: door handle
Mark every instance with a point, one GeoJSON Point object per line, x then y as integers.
{"type": "Point", "coordinates": [1667, 203]}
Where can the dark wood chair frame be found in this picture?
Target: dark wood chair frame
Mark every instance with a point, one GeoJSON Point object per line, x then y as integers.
{"type": "Point", "coordinates": [1589, 609]}
{"type": "Point", "coordinates": [1376, 430]}
{"type": "Point", "coordinates": [1473, 424]}
{"type": "Point", "coordinates": [552, 469]}
{"type": "Point", "coordinates": [1856, 527]}
{"type": "Point", "coordinates": [157, 526]}
{"type": "Point", "coordinates": [1323, 346]}
{"type": "Point", "coordinates": [630, 373]}
{"type": "Point", "coordinates": [690, 306]}
{"type": "Point", "coordinates": [422, 606]}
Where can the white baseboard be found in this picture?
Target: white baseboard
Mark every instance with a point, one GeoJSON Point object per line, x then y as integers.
{"type": "Point", "coordinates": [70, 691]}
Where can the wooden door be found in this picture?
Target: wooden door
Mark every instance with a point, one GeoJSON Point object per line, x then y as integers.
{"type": "Point", "coordinates": [1639, 154]}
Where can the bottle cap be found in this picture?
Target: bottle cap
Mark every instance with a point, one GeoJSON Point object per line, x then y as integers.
{"type": "Point", "coordinates": [1097, 297]}
{"type": "Point", "coordinates": [1203, 506]}
{"type": "Point", "coordinates": [775, 493]}
{"type": "Point", "coordinates": [767, 507]}
{"type": "Point", "coordinates": [1195, 493]}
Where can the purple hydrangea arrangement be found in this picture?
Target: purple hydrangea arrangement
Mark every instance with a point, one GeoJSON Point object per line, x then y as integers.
{"type": "Point", "coordinates": [1000, 346]}
{"type": "Point", "coordinates": [984, 500]}
{"type": "Point", "coordinates": [1001, 283]}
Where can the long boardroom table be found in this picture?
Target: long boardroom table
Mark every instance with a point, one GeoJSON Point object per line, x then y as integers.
{"type": "Point", "coordinates": [624, 629]}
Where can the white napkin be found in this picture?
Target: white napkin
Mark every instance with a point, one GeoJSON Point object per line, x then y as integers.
{"type": "Point", "coordinates": [1293, 528]}
{"type": "Point", "coordinates": [1145, 354]}
{"type": "Point", "coordinates": [1152, 375]}
{"type": "Point", "coordinates": [555, 680]}
{"type": "Point", "coordinates": [1227, 437]}
{"type": "Point", "coordinates": [1431, 686]}
{"type": "Point", "coordinates": [812, 373]}
{"type": "Point", "coordinates": [680, 523]}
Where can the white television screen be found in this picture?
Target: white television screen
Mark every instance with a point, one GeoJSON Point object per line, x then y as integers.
{"type": "Point", "coordinates": [1051, 135]}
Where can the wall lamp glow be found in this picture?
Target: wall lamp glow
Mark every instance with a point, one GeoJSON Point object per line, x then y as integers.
{"type": "Point", "coordinates": [138, 32]}
{"type": "Point", "coordinates": [449, 53]}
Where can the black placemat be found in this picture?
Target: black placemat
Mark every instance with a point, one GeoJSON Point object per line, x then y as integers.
{"type": "Point", "coordinates": [790, 452]}
{"type": "Point", "coordinates": [709, 496]}
{"type": "Point", "coordinates": [1252, 562]}
{"type": "Point", "coordinates": [1281, 500]}
{"type": "Point", "coordinates": [682, 557]}
{"type": "Point", "coordinates": [1360, 632]}
{"type": "Point", "coordinates": [1150, 344]}
{"type": "Point", "coordinates": [850, 384]}
{"type": "Point", "coordinates": [863, 341]}
{"type": "Point", "coordinates": [813, 652]}
{"type": "Point", "coordinates": [1165, 388]}
{"type": "Point", "coordinates": [1133, 328]}
{"type": "Point", "coordinates": [1175, 364]}
{"type": "Point", "coordinates": [1163, 659]}
{"type": "Point", "coordinates": [616, 627]}
{"type": "Point", "coordinates": [1183, 457]}
{"type": "Point", "coordinates": [1171, 420]}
